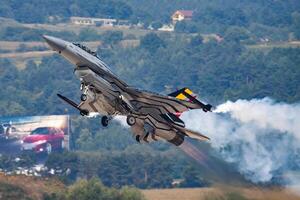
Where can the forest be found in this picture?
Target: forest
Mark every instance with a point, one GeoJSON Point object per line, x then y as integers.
{"type": "Point", "coordinates": [216, 71]}
{"type": "Point", "coordinates": [161, 62]}
{"type": "Point", "coordinates": [233, 12]}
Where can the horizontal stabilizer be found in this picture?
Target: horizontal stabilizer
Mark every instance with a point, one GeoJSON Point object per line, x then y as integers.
{"type": "Point", "coordinates": [195, 135]}
{"type": "Point", "coordinates": [72, 103]}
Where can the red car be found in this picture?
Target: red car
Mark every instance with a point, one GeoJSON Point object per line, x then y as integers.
{"type": "Point", "coordinates": [44, 140]}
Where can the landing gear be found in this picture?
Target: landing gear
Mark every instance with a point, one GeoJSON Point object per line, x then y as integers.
{"type": "Point", "coordinates": [130, 120]}
{"type": "Point", "coordinates": [104, 121]}
{"type": "Point", "coordinates": [138, 138]}
{"type": "Point", "coordinates": [85, 89]}
{"type": "Point", "coordinates": [83, 97]}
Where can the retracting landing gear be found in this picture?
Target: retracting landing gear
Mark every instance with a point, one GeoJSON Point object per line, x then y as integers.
{"type": "Point", "coordinates": [138, 138]}
{"type": "Point", "coordinates": [130, 120]}
{"type": "Point", "coordinates": [83, 97]}
{"type": "Point", "coordinates": [85, 89]}
{"type": "Point", "coordinates": [105, 120]}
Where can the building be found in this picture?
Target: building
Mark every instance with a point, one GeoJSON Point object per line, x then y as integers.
{"type": "Point", "coordinates": [180, 15]}
{"type": "Point", "coordinates": [167, 28]}
{"type": "Point", "coordinates": [177, 182]}
{"type": "Point", "coordinates": [93, 21]}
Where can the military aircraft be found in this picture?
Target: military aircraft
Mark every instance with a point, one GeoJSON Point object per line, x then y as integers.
{"type": "Point", "coordinates": [151, 116]}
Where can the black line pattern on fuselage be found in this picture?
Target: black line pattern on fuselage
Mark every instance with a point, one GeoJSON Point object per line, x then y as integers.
{"type": "Point", "coordinates": [150, 106]}
{"type": "Point", "coordinates": [156, 97]}
{"type": "Point", "coordinates": [152, 97]}
{"type": "Point", "coordinates": [149, 99]}
{"type": "Point", "coordinates": [147, 96]}
{"type": "Point", "coordinates": [153, 124]}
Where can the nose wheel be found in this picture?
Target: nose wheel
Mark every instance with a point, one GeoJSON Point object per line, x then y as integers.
{"type": "Point", "coordinates": [83, 97]}
{"type": "Point", "coordinates": [85, 89]}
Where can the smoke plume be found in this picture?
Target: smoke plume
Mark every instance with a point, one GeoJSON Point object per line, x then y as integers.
{"type": "Point", "coordinates": [260, 136]}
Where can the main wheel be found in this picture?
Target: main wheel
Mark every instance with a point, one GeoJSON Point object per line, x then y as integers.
{"type": "Point", "coordinates": [130, 120]}
{"type": "Point", "coordinates": [104, 121]}
{"type": "Point", "coordinates": [83, 97]}
{"type": "Point", "coordinates": [137, 138]}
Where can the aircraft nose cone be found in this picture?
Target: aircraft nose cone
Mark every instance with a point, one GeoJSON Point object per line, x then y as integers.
{"type": "Point", "coordinates": [55, 43]}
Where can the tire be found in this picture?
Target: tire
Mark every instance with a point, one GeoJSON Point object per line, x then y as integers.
{"type": "Point", "coordinates": [130, 120]}
{"type": "Point", "coordinates": [138, 138]}
{"type": "Point", "coordinates": [83, 97]}
{"type": "Point", "coordinates": [104, 121]}
{"type": "Point", "coordinates": [48, 148]}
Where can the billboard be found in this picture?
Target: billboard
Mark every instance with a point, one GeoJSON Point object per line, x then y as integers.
{"type": "Point", "coordinates": [38, 134]}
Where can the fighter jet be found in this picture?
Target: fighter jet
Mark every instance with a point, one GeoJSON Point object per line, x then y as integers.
{"type": "Point", "coordinates": [151, 116]}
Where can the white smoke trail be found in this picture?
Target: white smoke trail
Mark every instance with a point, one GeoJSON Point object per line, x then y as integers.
{"type": "Point", "coordinates": [265, 113]}
{"type": "Point", "coordinates": [260, 136]}
{"type": "Point", "coordinates": [121, 120]}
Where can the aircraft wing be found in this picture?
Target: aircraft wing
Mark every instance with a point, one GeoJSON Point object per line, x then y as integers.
{"type": "Point", "coordinates": [178, 124]}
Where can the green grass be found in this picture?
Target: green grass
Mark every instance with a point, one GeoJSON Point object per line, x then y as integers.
{"type": "Point", "coordinates": [9, 191]}
{"type": "Point", "coordinates": [274, 45]}
{"type": "Point", "coordinates": [227, 196]}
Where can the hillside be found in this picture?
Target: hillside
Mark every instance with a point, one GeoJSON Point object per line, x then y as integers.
{"type": "Point", "coordinates": [217, 71]}
{"type": "Point", "coordinates": [229, 50]}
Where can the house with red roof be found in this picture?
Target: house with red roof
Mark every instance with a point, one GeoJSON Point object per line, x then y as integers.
{"type": "Point", "coordinates": [180, 15]}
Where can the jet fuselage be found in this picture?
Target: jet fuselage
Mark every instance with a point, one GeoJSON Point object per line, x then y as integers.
{"type": "Point", "coordinates": [150, 115]}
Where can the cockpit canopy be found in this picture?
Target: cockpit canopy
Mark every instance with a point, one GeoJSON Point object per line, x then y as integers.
{"type": "Point", "coordinates": [85, 48]}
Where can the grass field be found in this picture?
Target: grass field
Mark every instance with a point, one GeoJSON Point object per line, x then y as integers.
{"type": "Point", "coordinates": [221, 193]}
{"type": "Point", "coordinates": [25, 187]}
{"type": "Point", "coordinates": [20, 59]}
{"type": "Point", "coordinates": [35, 187]}
{"type": "Point", "coordinates": [271, 45]}
{"type": "Point", "coordinates": [14, 45]}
